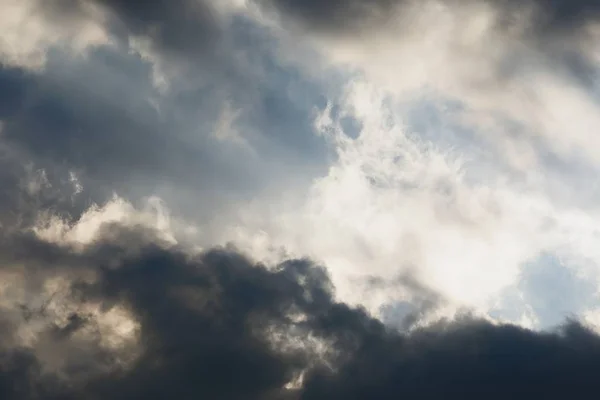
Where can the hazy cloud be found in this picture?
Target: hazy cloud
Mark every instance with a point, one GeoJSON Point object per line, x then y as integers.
{"type": "Point", "coordinates": [104, 117]}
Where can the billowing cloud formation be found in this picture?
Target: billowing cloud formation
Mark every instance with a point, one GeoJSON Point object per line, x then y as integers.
{"type": "Point", "coordinates": [130, 316]}
{"type": "Point", "coordinates": [465, 142]}
{"type": "Point", "coordinates": [504, 62]}
{"type": "Point", "coordinates": [431, 155]}
{"type": "Point", "coordinates": [178, 93]}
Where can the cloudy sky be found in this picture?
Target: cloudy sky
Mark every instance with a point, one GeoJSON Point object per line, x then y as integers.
{"type": "Point", "coordinates": [299, 199]}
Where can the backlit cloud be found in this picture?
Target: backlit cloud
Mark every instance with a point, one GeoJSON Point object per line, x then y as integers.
{"type": "Point", "coordinates": [281, 199]}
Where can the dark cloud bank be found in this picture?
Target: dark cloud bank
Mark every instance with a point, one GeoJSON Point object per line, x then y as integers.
{"type": "Point", "coordinates": [207, 324]}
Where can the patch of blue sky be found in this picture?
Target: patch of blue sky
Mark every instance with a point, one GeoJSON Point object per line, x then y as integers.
{"type": "Point", "coordinates": [437, 120]}
{"type": "Point", "coordinates": [548, 289]}
{"type": "Point", "coordinates": [399, 315]}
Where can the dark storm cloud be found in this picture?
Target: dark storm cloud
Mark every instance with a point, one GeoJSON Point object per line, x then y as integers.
{"type": "Point", "coordinates": [205, 331]}
{"type": "Point", "coordinates": [556, 30]}
{"type": "Point", "coordinates": [204, 321]}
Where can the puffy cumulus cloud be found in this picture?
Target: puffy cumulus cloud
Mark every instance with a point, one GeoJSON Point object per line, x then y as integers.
{"type": "Point", "coordinates": [129, 315]}
{"type": "Point", "coordinates": [397, 202]}
{"type": "Point", "coordinates": [423, 152]}
{"type": "Point", "coordinates": [54, 229]}
{"type": "Point", "coordinates": [528, 67]}
{"type": "Point", "coordinates": [113, 302]}
{"type": "Point", "coordinates": [497, 167]}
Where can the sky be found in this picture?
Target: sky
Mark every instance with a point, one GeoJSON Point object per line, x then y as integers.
{"type": "Point", "coordinates": [299, 200]}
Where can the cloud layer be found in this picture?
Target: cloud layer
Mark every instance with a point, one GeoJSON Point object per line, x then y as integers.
{"type": "Point", "coordinates": [131, 316]}
{"type": "Point", "coordinates": [280, 199]}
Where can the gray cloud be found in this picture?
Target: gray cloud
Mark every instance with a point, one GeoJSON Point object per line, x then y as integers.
{"type": "Point", "coordinates": [351, 14]}
{"type": "Point", "coordinates": [206, 325]}
{"type": "Point", "coordinates": [216, 324]}
{"type": "Point", "coordinates": [188, 26]}
{"type": "Point", "coordinates": [219, 325]}
{"type": "Point", "coordinates": [553, 34]}
{"type": "Point", "coordinates": [336, 14]}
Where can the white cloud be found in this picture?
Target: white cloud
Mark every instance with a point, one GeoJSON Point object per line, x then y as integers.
{"type": "Point", "coordinates": [27, 32]}
{"type": "Point", "coordinates": [592, 317]}
{"type": "Point", "coordinates": [153, 215]}
{"type": "Point", "coordinates": [394, 203]}
{"type": "Point", "coordinates": [488, 59]}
